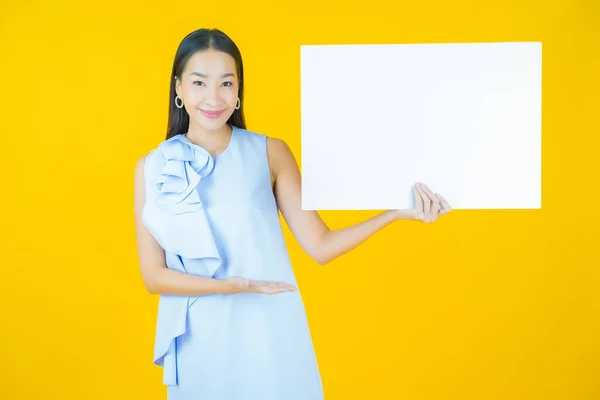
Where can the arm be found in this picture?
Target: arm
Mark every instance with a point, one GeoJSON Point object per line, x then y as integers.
{"type": "Point", "coordinates": [321, 243]}
{"type": "Point", "coordinates": [158, 279]}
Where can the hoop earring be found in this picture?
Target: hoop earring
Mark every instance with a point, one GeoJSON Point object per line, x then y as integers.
{"type": "Point", "coordinates": [177, 105]}
{"type": "Point", "coordinates": [239, 104]}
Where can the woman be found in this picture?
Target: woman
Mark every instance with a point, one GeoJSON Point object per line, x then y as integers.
{"type": "Point", "coordinates": [210, 243]}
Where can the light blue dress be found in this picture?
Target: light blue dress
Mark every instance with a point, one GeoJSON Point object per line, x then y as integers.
{"type": "Point", "coordinates": [217, 217]}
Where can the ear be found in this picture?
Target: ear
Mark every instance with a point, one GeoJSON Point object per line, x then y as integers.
{"type": "Point", "coordinates": [177, 87]}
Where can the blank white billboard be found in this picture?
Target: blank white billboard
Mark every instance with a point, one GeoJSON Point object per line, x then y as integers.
{"type": "Point", "coordinates": [464, 118]}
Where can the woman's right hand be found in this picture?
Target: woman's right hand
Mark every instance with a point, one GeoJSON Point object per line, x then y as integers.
{"type": "Point", "coordinates": [244, 285]}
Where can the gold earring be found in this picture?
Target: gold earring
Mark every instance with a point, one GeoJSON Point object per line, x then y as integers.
{"type": "Point", "coordinates": [239, 104]}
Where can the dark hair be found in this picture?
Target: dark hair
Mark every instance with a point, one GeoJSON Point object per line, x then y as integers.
{"type": "Point", "coordinates": [199, 40]}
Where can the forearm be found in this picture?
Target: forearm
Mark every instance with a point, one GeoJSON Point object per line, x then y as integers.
{"type": "Point", "coordinates": [339, 241]}
{"type": "Point", "coordinates": [169, 281]}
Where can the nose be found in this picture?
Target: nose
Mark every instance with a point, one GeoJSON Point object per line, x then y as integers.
{"type": "Point", "coordinates": [212, 97]}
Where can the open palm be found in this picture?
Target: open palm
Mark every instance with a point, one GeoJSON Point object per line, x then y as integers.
{"type": "Point", "coordinates": [261, 286]}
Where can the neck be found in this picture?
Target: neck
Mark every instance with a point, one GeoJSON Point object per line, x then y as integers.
{"type": "Point", "coordinates": [214, 141]}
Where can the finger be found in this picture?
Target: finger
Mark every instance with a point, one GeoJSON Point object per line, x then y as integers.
{"type": "Point", "coordinates": [287, 287]}
{"type": "Point", "coordinates": [435, 201]}
{"type": "Point", "coordinates": [426, 202]}
{"type": "Point", "coordinates": [418, 202]}
{"type": "Point", "coordinates": [444, 203]}
{"type": "Point", "coordinates": [277, 286]}
{"type": "Point", "coordinates": [271, 283]}
{"type": "Point", "coordinates": [261, 284]}
{"type": "Point", "coordinates": [277, 290]}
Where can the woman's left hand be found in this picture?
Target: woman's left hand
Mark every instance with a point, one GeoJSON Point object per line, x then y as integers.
{"type": "Point", "coordinates": [429, 206]}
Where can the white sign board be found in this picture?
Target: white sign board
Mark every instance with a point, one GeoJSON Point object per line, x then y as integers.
{"type": "Point", "coordinates": [463, 118]}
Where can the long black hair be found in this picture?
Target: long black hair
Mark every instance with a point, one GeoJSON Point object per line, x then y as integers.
{"type": "Point", "coordinates": [199, 40]}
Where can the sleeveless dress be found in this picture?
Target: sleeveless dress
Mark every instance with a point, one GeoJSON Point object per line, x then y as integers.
{"type": "Point", "coordinates": [217, 217]}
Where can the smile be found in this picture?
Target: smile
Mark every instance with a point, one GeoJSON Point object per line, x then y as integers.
{"type": "Point", "coordinates": [212, 114]}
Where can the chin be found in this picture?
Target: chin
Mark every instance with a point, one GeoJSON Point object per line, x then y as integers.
{"type": "Point", "coordinates": [212, 125]}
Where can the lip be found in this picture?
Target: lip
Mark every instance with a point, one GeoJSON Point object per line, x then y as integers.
{"type": "Point", "coordinates": [212, 114]}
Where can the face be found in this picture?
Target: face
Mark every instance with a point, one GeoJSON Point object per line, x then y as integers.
{"type": "Point", "coordinates": [209, 83]}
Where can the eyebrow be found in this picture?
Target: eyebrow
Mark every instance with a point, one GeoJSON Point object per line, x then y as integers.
{"type": "Point", "coordinates": [200, 74]}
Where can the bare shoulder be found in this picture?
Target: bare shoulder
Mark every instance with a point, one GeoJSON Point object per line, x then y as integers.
{"type": "Point", "coordinates": [141, 161]}
{"type": "Point", "coordinates": [278, 151]}
{"type": "Point", "coordinates": [139, 185]}
{"type": "Point", "coordinates": [139, 166]}
{"type": "Point", "coordinates": [276, 144]}
{"type": "Point", "coordinates": [139, 177]}
{"type": "Point", "coordinates": [280, 157]}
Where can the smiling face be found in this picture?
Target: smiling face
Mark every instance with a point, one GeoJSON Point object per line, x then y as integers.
{"type": "Point", "coordinates": [209, 88]}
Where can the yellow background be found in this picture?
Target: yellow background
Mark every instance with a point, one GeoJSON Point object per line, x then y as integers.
{"type": "Point", "coordinates": [498, 304]}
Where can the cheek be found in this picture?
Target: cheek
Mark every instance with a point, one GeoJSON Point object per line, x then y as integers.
{"type": "Point", "coordinates": [189, 94]}
{"type": "Point", "coordinates": [232, 97]}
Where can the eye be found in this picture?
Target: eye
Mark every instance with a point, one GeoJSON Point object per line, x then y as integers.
{"type": "Point", "coordinates": [198, 82]}
{"type": "Point", "coordinates": [230, 84]}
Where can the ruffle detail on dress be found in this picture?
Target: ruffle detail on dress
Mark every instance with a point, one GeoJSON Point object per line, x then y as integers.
{"type": "Point", "coordinates": [177, 219]}
{"type": "Point", "coordinates": [185, 166]}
